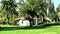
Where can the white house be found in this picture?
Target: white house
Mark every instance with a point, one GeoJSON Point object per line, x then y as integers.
{"type": "Point", "coordinates": [23, 22]}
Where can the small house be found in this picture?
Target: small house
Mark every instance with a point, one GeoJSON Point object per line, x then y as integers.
{"type": "Point", "coordinates": [23, 22]}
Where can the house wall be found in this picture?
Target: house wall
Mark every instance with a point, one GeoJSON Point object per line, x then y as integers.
{"type": "Point", "coordinates": [28, 23]}
{"type": "Point", "coordinates": [38, 21]}
{"type": "Point", "coordinates": [23, 23]}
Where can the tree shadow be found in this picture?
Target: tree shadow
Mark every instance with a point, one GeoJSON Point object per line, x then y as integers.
{"type": "Point", "coordinates": [26, 28]}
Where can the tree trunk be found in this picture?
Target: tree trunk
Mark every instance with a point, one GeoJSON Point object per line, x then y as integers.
{"type": "Point", "coordinates": [30, 21]}
{"type": "Point", "coordinates": [36, 21]}
{"type": "Point", "coordinates": [8, 18]}
{"type": "Point", "coordinates": [8, 21]}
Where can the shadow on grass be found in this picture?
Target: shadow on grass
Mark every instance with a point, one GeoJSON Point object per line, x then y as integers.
{"type": "Point", "coordinates": [25, 28]}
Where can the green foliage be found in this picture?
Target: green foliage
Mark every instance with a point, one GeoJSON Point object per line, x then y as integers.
{"type": "Point", "coordinates": [9, 8]}
{"type": "Point", "coordinates": [58, 8]}
{"type": "Point", "coordinates": [34, 7]}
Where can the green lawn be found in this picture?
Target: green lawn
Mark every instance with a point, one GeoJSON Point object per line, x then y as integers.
{"type": "Point", "coordinates": [30, 30]}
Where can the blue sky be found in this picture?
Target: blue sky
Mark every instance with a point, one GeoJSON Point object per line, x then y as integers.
{"type": "Point", "coordinates": [56, 2]}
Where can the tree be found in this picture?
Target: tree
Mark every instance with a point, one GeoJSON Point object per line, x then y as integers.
{"type": "Point", "coordinates": [58, 8]}
{"type": "Point", "coordinates": [58, 12]}
{"type": "Point", "coordinates": [0, 15]}
{"type": "Point", "coordinates": [19, 7]}
{"type": "Point", "coordinates": [51, 11]}
{"type": "Point", "coordinates": [34, 8]}
{"type": "Point", "coordinates": [10, 8]}
{"type": "Point", "coordinates": [0, 9]}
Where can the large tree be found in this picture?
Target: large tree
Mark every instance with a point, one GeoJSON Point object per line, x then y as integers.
{"type": "Point", "coordinates": [9, 7]}
{"type": "Point", "coordinates": [51, 11]}
{"type": "Point", "coordinates": [58, 12]}
{"type": "Point", "coordinates": [34, 8]}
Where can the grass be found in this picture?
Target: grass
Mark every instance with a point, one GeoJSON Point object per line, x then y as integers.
{"type": "Point", "coordinates": [45, 29]}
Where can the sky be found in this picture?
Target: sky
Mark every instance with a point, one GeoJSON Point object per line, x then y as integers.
{"type": "Point", "coordinates": [56, 2]}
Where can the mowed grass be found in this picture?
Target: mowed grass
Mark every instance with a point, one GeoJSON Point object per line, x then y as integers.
{"type": "Point", "coordinates": [30, 30]}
